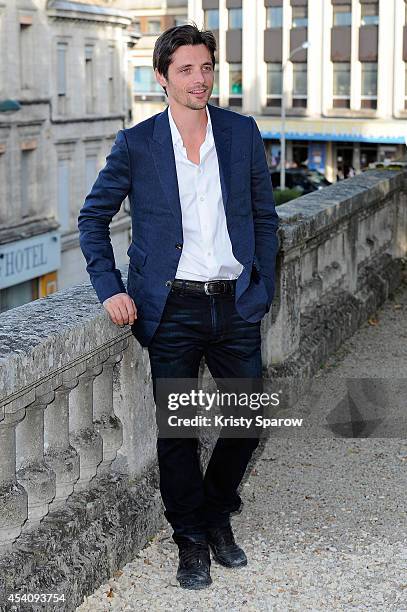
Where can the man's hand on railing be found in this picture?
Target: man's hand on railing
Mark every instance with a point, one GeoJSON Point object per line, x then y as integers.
{"type": "Point", "coordinates": [121, 308]}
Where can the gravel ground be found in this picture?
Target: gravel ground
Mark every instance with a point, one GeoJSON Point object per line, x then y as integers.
{"type": "Point", "coordinates": [324, 518]}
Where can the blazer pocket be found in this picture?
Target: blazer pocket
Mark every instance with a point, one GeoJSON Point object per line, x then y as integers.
{"type": "Point", "coordinates": [137, 256]}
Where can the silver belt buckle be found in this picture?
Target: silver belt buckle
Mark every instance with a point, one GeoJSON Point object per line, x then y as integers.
{"type": "Point", "coordinates": [206, 288]}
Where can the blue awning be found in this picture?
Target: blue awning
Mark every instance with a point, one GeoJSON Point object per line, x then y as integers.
{"type": "Point", "coordinates": [329, 137]}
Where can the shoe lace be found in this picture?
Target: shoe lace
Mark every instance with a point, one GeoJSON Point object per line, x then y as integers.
{"type": "Point", "coordinates": [194, 554]}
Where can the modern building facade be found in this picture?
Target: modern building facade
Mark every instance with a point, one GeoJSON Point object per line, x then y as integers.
{"type": "Point", "coordinates": [66, 64]}
{"type": "Point", "coordinates": [150, 18]}
{"type": "Point", "coordinates": [345, 94]}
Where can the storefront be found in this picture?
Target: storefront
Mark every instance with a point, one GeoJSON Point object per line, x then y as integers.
{"type": "Point", "coordinates": [337, 148]}
{"type": "Point", "coordinates": [28, 269]}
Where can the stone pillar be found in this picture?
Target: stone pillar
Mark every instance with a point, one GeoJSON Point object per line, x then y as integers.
{"type": "Point", "coordinates": [83, 436]}
{"type": "Point", "coordinates": [33, 474]}
{"type": "Point", "coordinates": [60, 456]}
{"type": "Point", "coordinates": [106, 423]}
{"type": "Point", "coordinates": [13, 497]}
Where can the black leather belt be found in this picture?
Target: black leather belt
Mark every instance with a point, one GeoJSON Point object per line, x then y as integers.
{"type": "Point", "coordinates": [214, 287]}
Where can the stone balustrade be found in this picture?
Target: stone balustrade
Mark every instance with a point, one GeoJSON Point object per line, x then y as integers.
{"type": "Point", "coordinates": [77, 422]}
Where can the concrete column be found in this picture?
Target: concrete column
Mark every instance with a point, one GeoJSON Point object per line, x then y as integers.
{"type": "Point", "coordinates": [223, 64]}
{"type": "Point", "coordinates": [37, 478]}
{"type": "Point", "coordinates": [356, 156]}
{"type": "Point", "coordinates": [326, 64]}
{"type": "Point", "coordinates": [385, 67]}
{"type": "Point", "coordinates": [59, 454]}
{"type": "Point", "coordinates": [399, 71]}
{"type": "Point", "coordinates": [83, 436]}
{"type": "Point", "coordinates": [356, 68]}
{"type": "Point", "coordinates": [106, 423]}
{"type": "Point", "coordinates": [314, 75]}
{"type": "Point", "coordinates": [250, 43]}
{"type": "Point", "coordinates": [329, 165]}
{"type": "Point", "coordinates": [13, 497]}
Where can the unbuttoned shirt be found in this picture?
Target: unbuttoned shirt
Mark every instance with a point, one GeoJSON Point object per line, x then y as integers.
{"type": "Point", "coordinates": [207, 250]}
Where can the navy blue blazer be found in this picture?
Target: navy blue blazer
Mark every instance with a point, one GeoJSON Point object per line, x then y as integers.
{"type": "Point", "coordinates": [141, 165]}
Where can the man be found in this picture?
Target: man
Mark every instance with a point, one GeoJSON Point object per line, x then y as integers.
{"type": "Point", "coordinates": [201, 273]}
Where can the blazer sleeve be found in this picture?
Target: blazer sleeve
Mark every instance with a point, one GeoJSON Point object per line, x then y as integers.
{"type": "Point", "coordinates": [265, 217]}
{"type": "Point", "coordinates": [101, 204]}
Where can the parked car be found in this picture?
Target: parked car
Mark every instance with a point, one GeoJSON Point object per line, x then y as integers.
{"type": "Point", "coordinates": [302, 179]}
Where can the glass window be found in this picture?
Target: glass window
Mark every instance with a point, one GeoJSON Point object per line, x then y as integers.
{"type": "Point", "coordinates": [299, 79]}
{"type": "Point", "coordinates": [342, 15]}
{"type": "Point", "coordinates": [370, 14]}
{"type": "Point", "coordinates": [274, 17]}
{"type": "Point", "coordinates": [181, 19]}
{"type": "Point", "coordinates": [274, 79]}
{"type": "Point", "coordinates": [235, 19]}
{"type": "Point", "coordinates": [341, 79]}
{"type": "Point", "coordinates": [211, 19]}
{"type": "Point", "coordinates": [300, 17]}
{"type": "Point", "coordinates": [153, 26]}
{"type": "Point", "coordinates": [369, 79]}
{"type": "Point", "coordinates": [235, 79]}
{"type": "Point", "coordinates": [215, 90]}
{"type": "Point", "coordinates": [136, 27]}
{"type": "Point", "coordinates": [63, 193]}
{"type": "Point", "coordinates": [144, 81]}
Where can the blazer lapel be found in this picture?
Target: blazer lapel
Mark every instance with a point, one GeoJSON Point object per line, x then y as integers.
{"type": "Point", "coordinates": [223, 138]}
{"type": "Point", "coordinates": [163, 154]}
{"type": "Point", "coordinates": [162, 151]}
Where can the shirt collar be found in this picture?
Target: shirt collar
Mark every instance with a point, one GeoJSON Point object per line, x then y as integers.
{"type": "Point", "coordinates": [176, 136]}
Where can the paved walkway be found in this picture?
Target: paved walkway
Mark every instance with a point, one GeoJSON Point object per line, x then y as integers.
{"type": "Point", "coordinates": [324, 522]}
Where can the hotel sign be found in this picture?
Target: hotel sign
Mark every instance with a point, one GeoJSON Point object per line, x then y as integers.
{"type": "Point", "coordinates": [29, 258]}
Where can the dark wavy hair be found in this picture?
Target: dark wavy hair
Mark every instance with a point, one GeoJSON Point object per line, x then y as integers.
{"type": "Point", "coordinates": [173, 38]}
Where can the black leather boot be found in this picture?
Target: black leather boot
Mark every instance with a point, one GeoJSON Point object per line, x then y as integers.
{"type": "Point", "coordinates": [194, 564]}
{"type": "Point", "coordinates": [224, 548]}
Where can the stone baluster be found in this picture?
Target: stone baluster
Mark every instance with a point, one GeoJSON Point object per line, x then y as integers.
{"type": "Point", "coordinates": [60, 456]}
{"type": "Point", "coordinates": [105, 421]}
{"type": "Point", "coordinates": [83, 435]}
{"type": "Point", "coordinates": [37, 478]}
{"type": "Point", "coordinates": [13, 497]}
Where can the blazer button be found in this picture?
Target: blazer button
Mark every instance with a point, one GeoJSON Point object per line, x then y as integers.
{"type": "Point", "coordinates": [178, 246]}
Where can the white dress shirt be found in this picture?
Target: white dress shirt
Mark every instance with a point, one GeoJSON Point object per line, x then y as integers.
{"type": "Point", "coordinates": [207, 250]}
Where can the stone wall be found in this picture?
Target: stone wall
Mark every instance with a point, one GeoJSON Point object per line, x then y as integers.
{"type": "Point", "coordinates": [78, 474]}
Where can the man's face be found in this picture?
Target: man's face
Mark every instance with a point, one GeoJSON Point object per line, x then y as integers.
{"type": "Point", "coordinates": [190, 77]}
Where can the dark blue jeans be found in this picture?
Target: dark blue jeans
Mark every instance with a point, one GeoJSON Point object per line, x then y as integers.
{"type": "Point", "coordinates": [193, 326]}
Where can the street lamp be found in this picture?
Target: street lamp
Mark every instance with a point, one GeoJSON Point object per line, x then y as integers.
{"type": "Point", "coordinates": [305, 45]}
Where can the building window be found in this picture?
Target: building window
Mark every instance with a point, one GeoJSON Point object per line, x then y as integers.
{"type": "Point", "coordinates": [145, 82]}
{"type": "Point", "coordinates": [274, 17]}
{"type": "Point", "coordinates": [215, 90]}
{"type": "Point", "coordinates": [181, 19]}
{"type": "Point", "coordinates": [274, 84]}
{"type": "Point", "coordinates": [27, 181]}
{"type": "Point", "coordinates": [300, 84]}
{"type": "Point", "coordinates": [369, 85]}
{"type": "Point", "coordinates": [342, 15]}
{"type": "Point", "coordinates": [300, 17]}
{"type": "Point", "coordinates": [153, 26]}
{"type": "Point", "coordinates": [111, 78]}
{"type": "Point", "coordinates": [63, 193]}
{"type": "Point", "coordinates": [137, 27]}
{"type": "Point", "coordinates": [211, 19]}
{"type": "Point", "coordinates": [341, 85]}
{"type": "Point", "coordinates": [26, 54]}
{"type": "Point", "coordinates": [90, 171]}
{"type": "Point", "coordinates": [89, 78]}
{"type": "Point", "coordinates": [235, 79]}
{"type": "Point", "coordinates": [62, 49]}
{"type": "Point", "coordinates": [235, 19]}
{"type": "Point", "coordinates": [370, 14]}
